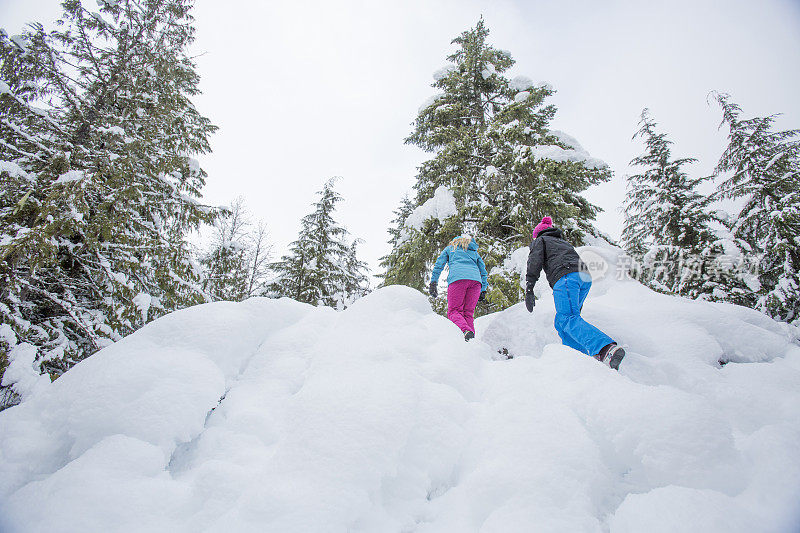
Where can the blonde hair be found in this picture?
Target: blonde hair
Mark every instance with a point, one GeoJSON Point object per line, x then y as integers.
{"type": "Point", "coordinates": [463, 242]}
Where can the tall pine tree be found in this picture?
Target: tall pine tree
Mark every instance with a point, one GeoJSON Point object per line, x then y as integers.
{"type": "Point", "coordinates": [667, 222]}
{"type": "Point", "coordinates": [98, 187]}
{"type": "Point", "coordinates": [321, 268]}
{"type": "Point", "coordinates": [681, 245]}
{"type": "Point", "coordinates": [493, 150]}
{"type": "Point", "coordinates": [764, 174]}
{"type": "Point", "coordinates": [398, 264]}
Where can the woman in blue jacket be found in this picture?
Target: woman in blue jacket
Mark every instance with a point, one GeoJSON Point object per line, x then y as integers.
{"type": "Point", "coordinates": [466, 282]}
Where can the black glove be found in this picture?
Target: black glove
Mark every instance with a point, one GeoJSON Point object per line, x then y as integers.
{"type": "Point", "coordinates": [482, 297]}
{"type": "Point", "coordinates": [433, 289]}
{"type": "Point", "coordinates": [530, 299]}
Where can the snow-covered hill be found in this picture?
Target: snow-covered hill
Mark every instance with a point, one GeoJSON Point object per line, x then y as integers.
{"type": "Point", "coordinates": [270, 415]}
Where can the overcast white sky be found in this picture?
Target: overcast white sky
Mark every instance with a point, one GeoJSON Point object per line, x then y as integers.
{"type": "Point", "coordinates": [303, 90]}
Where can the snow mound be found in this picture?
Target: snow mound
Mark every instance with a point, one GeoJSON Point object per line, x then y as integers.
{"type": "Point", "coordinates": [270, 415]}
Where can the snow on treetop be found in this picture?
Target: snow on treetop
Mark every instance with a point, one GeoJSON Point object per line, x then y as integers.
{"type": "Point", "coordinates": [575, 153]}
{"type": "Point", "coordinates": [4, 88]}
{"type": "Point", "coordinates": [99, 18]}
{"type": "Point", "coordinates": [441, 206]}
{"type": "Point", "coordinates": [774, 159]}
{"type": "Point", "coordinates": [21, 42]}
{"type": "Point", "coordinates": [113, 130]}
{"type": "Point", "coordinates": [443, 72]}
{"type": "Point", "coordinates": [143, 301]}
{"type": "Point", "coordinates": [7, 335]}
{"type": "Point", "coordinates": [488, 71]}
{"type": "Point", "coordinates": [521, 96]}
{"type": "Point", "coordinates": [556, 153]}
{"type": "Point", "coordinates": [430, 101]}
{"type": "Point", "coordinates": [521, 83]}
{"type": "Point", "coordinates": [14, 170]}
{"type": "Point", "coordinates": [72, 175]}
{"type": "Point", "coordinates": [566, 138]}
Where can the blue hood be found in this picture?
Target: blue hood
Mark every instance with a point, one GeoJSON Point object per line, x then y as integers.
{"type": "Point", "coordinates": [464, 264]}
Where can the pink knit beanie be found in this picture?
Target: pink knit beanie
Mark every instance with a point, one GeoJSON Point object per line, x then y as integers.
{"type": "Point", "coordinates": [546, 222]}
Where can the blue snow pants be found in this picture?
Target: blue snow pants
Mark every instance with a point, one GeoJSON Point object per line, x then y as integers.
{"type": "Point", "coordinates": [569, 292]}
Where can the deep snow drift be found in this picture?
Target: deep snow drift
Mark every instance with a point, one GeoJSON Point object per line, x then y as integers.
{"type": "Point", "coordinates": [277, 416]}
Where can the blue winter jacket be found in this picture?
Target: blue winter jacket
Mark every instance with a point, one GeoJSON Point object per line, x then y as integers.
{"type": "Point", "coordinates": [464, 264]}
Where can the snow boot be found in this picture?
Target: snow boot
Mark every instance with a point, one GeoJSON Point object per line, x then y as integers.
{"type": "Point", "coordinates": [611, 355]}
{"type": "Point", "coordinates": [469, 335]}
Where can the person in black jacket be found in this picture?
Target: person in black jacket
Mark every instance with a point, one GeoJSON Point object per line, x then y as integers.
{"type": "Point", "coordinates": [570, 280]}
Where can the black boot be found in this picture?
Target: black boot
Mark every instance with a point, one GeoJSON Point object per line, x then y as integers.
{"type": "Point", "coordinates": [469, 335]}
{"type": "Point", "coordinates": [611, 355]}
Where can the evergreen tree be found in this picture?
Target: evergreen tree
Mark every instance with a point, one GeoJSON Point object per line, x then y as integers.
{"type": "Point", "coordinates": [321, 268]}
{"type": "Point", "coordinates": [398, 264]}
{"type": "Point", "coordinates": [493, 150]}
{"type": "Point", "coordinates": [668, 224]}
{"type": "Point", "coordinates": [97, 184]}
{"type": "Point", "coordinates": [354, 281]}
{"type": "Point", "coordinates": [764, 167]}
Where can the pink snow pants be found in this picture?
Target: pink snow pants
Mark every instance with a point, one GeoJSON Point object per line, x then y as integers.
{"type": "Point", "coordinates": [462, 297]}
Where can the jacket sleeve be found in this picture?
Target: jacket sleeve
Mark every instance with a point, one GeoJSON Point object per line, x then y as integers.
{"type": "Point", "coordinates": [482, 268]}
{"type": "Point", "coordinates": [439, 266]}
{"type": "Point", "coordinates": [535, 261]}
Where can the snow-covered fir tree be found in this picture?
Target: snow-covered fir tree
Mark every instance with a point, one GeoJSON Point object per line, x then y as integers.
{"type": "Point", "coordinates": [354, 283]}
{"type": "Point", "coordinates": [495, 156]}
{"type": "Point", "coordinates": [763, 173]}
{"type": "Point", "coordinates": [398, 263]}
{"type": "Point", "coordinates": [322, 268]}
{"type": "Point", "coordinates": [668, 223]}
{"type": "Point", "coordinates": [225, 274]}
{"type": "Point", "coordinates": [98, 187]}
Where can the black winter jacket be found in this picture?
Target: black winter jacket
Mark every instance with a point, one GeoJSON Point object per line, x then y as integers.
{"type": "Point", "coordinates": [557, 256]}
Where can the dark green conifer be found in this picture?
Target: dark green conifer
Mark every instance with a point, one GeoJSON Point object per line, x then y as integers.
{"type": "Point", "coordinates": [763, 168]}
{"type": "Point", "coordinates": [492, 150]}
{"type": "Point", "coordinates": [398, 264]}
{"type": "Point", "coordinates": [98, 187]}
{"type": "Point", "coordinates": [321, 267]}
{"type": "Point", "coordinates": [668, 224]}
